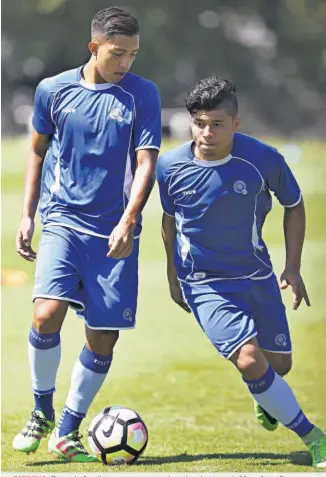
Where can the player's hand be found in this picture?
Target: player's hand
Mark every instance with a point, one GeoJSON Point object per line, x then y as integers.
{"type": "Point", "coordinates": [294, 279]}
{"type": "Point", "coordinates": [121, 241]}
{"type": "Point", "coordinates": [24, 238]}
{"type": "Point", "coordinates": [176, 295]}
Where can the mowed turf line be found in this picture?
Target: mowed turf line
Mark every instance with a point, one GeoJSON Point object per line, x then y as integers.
{"type": "Point", "coordinates": [198, 411]}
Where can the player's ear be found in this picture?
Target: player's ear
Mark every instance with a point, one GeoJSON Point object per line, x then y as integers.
{"type": "Point", "coordinates": [236, 123]}
{"type": "Point", "coordinates": [93, 47]}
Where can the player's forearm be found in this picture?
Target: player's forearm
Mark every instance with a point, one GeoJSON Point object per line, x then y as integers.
{"type": "Point", "coordinates": [32, 184]}
{"type": "Point", "coordinates": [294, 232]}
{"type": "Point", "coordinates": [140, 191]}
{"type": "Point", "coordinates": [169, 236]}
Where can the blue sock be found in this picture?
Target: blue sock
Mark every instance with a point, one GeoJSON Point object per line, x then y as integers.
{"type": "Point", "coordinates": [44, 351]}
{"type": "Point", "coordinates": [69, 421]}
{"type": "Point", "coordinates": [300, 425]}
{"type": "Point", "coordinates": [88, 375]}
{"type": "Point", "coordinates": [44, 403]}
{"type": "Point", "coordinates": [275, 396]}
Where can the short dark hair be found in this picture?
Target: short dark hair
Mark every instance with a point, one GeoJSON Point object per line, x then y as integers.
{"type": "Point", "coordinates": [212, 93]}
{"type": "Point", "coordinates": [114, 21]}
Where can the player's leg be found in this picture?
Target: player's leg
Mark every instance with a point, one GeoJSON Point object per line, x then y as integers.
{"type": "Point", "coordinates": [273, 336]}
{"type": "Point", "coordinates": [54, 286]}
{"type": "Point", "coordinates": [281, 363]}
{"type": "Point", "coordinates": [88, 375]}
{"type": "Point", "coordinates": [227, 320]}
{"type": "Point", "coordinates": [274, 395]}
{"type": "Point", "coordinates": [111, 298]}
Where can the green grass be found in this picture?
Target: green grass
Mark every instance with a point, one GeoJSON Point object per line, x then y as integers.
{"type": "Point", "coordinates": [198, 411]}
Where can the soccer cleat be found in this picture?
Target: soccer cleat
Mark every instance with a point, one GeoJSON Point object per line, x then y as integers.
{"type": "Point", "coordinates": [30, 437]}
{"type": "Point", "coordinates": [318, 452]}
{"type": "Point", "coordinates": [69, 447]}
{"type": "Point", "coordinates": [266, 420]}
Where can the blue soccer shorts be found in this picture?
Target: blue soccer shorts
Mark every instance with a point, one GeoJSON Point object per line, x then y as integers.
{"type": "Point", "coordinates": [73, 266]}
{"type": "Point", "coordinates": [231, 319]}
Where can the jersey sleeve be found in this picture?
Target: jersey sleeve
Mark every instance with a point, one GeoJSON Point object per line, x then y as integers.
{"type": "Point", "coordinates": [163, 183]}
{"type": "Point", "coordinates": [42, 120]}
{"type": "Point", "coordinates": [148, 130]}
{"type": "Point", "coordinates": [282, 182]}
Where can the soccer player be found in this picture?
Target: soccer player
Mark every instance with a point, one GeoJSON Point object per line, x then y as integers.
{"type": "Point", "coordinates": [216, 193]}
{"type": "Point", "coordinates": [96, 141]}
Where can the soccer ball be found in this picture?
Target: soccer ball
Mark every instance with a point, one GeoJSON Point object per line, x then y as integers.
{"type": "Point", "coordinates": [117, 435]}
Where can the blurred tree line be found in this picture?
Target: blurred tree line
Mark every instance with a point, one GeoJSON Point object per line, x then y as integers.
{"type": "Point", "coordinates": [274, 51]}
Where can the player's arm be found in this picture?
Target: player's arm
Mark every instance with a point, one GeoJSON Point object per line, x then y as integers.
{"type": "Point", "coordinates": [40, 144]}
{"type": "Point", "coordinates": [122, 238]}
{"type": "Point", "coordinates": [283, 183]}
{"type": "Point", "coordinates": [147, 133]}
{"type": "Point", "coordinates": [169, 236]}
{"type": "Point", "coordinates": [294, 225]}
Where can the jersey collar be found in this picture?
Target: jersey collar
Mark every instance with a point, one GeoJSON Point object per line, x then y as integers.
{"type": "Point", "coordinates": [95, 86]}
{"type": "Point", "coordinates": [203, 163]}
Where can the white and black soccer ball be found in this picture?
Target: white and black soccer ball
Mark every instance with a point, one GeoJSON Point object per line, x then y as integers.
{"type": "Point", "coordinates": [117, 435]}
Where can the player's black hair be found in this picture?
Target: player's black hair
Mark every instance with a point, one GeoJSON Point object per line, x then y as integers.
{"type": "Point", "coordinates": [212, 93]}
{"type": "Point", "coordinates": [114, 21]}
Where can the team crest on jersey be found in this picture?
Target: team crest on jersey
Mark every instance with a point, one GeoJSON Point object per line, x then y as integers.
{"type": "Point", "coordinates": [116, 114]}
{"type": "Point", "coordinates": [240, 187]}
{"type": "Point", "coordinates": [280, 340]}
{"type": "Point", "coordinates": [127, 314]}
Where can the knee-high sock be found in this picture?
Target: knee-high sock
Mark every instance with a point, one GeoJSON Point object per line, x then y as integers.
{"type": "Point", "coordinates": [274, 394]}
{"type": "Point", "coordinates": [88, 375]}
{"type": "Point", "coordinates": [44, 352]}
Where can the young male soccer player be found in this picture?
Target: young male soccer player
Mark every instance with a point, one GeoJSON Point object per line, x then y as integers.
{"type": "Point", "coordinates": [97, 136]}
{"type": "Point", "coordinates": [216, 194]}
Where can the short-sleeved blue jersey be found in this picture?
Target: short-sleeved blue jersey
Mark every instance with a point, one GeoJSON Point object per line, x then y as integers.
{"type": "Point", "coordinates": [95, 131]}
{"type": "Point", "coordinates": [220, 208]}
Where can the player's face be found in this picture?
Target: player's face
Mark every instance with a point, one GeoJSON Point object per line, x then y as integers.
{"type": "Point", "coordinates": [114, 56]}
{"type": "Point", "coordinates": [213, 132]}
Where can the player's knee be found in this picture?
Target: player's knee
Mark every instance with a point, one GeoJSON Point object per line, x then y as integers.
{"type": "Point", "coordinates": [48, 315]}
{"type": "Point", "coordinates": [247, 363]}
{"type": "Point", "coordinates": [250, 361]}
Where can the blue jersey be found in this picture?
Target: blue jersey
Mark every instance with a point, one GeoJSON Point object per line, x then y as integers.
{"type": "Point", "coordinates": [220, 208]}
{"type": "Point", "coordinates": [95, 131]}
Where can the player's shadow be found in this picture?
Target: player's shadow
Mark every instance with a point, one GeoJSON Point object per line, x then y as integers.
{"type": "Point", "coordinates": [296, 458]}
{"type": "Point", "coordinates": [47, 463]}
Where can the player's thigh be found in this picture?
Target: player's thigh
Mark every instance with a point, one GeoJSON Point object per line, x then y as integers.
{"type": "Point", "coordinates": [270, 317]}
{"type": "Point", "coordinates": [57, 274]}
{"type": "Point", "coordinates": [111, 288]}
{"type": "Point", "coordinates": [224, 317]}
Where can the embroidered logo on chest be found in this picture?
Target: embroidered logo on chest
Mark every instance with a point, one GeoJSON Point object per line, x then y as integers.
{"type": "Point", "coordinates": [116, 114]}
{"type": "Point", "coordinates": [240, 187]}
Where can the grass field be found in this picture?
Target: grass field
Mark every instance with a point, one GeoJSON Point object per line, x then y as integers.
{"type": "Point", "coordinates": [198, 411]}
